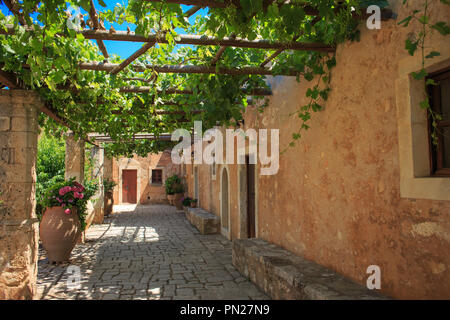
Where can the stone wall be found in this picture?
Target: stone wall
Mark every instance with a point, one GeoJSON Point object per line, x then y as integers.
{"type": "Point", "coordinates": [97, 155]}
{"type": "Point", "coordinates": [147, 192]}
{"type": "Point", "coordinates": [336, 199]}
{"type": "Point", "coordinates": [18, 222]}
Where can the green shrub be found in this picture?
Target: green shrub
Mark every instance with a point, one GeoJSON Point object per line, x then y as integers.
{"type": "Point", "coordinates": [50, 166]}
{"type": "Point", "coordinates": [174, 185]}
{"type": "Point", "coordinates": [108, 185]}
{"type": "Point", "coordinates": [186, 201]}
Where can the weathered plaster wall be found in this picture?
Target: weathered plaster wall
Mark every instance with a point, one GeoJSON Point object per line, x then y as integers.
{"type": "Point", "coordinates": [336, 198]}
{"type": "Point", "coordinates": [18, 222]}
{"type": "Point", "coordinates": [147, 192]}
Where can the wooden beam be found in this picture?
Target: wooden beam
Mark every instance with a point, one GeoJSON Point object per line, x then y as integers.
{"type": "Point", "coordinates": [94, 17]}
{"type": "Point", "coordinates": [10, 80]}
{"type": "Point", "coordinates": [138, 136]}
{"type": "Point", "coordinates": [131, 58]}
{"type": "Point", "coordinates": [164, 112]}
{"type": "Point", "coordinates": [207, 40]}
{"type": "Point", "coordinates": [202, 69]}
{"type": "Point", "coordinates": [134, 89]}
{"type": "Point", "coordinates": [14, 8]}
{"type": "Point", "coordinates": [200, 3]}
{"type": "Point", "coordinates": [220, 52]}
{"type": "Point", "coordinates": [191, 11]}
{"type": "Point", "coordinates": [197, 40]}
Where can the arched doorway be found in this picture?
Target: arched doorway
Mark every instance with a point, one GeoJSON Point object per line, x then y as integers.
{"type": "Point", "coordinates": [224, 203]}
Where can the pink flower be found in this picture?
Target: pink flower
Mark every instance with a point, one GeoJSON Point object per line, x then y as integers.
{"type": "Point", "coordinates": [64, 190]}
{"type": "Point", "coordinates": [70, 200]}
{"type": "Point", "coordinates": [78, 195]}
{"type": "Point", "coordinates": [79, 186]}
{"type": "Point", "coordinates": [59, 200]}
{"type": "Point", "coordinates": [67, 211]}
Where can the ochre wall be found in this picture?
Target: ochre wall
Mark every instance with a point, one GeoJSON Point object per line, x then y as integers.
{"type": "Point", "coordinates": [148, 192]}
{"type": "Point", "coordinates": [336, 198]}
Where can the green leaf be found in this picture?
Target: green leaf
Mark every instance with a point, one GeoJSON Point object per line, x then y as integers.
{"type": "Point", "coordinates": [405, 21]}
{"type": "Point", "coordinates": [411, 46]}
{"type": "Point", "coordinates": [424, 104]}
{"type": "Point", "coordinates": [432, 54]}
{"type": "Point", "coordinates": [419, 75]}
{"type": "Point", "coordinates": [441, 27]}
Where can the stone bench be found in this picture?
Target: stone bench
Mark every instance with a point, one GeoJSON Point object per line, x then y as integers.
{"type": "Point", "coordinates": [283, 275]}
{"type": "Point", "coordinates": [205, 222]}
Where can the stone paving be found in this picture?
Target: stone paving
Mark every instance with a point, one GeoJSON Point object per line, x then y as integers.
{"type": "Point", "coordinates": [147, 252]}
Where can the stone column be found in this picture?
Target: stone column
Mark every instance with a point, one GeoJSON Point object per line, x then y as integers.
{"type": "Point", "coordinates": [97, 155]}
{"type": "Point", "coordinates": [74, 158]}
{"type": "Point", "coordinates": [107, 168]}
{"type": "Point", "coordinates": [18, 222]}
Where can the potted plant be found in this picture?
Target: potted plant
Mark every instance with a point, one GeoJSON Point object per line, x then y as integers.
{"type": "Point", "coordinates": [179, 194]}
{"type": "Point", "coordinates": [108, 186]}
{"type": "Point", "coordinates": [64, 216]}
{"type": "Point", "coordinates": [172, 186]}
{"type": "Point", "coordinates": [186, 202]}
{"type": "Point", "coordinates": [193, 203]}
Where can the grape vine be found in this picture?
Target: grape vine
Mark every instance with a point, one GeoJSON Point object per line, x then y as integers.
{"type": "Point", "coordinates": [46, 59]}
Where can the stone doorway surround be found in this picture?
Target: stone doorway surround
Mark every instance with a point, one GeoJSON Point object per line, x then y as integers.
{"type": "Point", "coordinates": [225, 231]}
{"type": "Point", "coordinates": [130, 164]}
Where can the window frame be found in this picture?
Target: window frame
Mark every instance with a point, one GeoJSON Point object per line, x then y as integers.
{"type": "Point", "coordinates": [436, 152]}
{"type": "Point", "coordinates": [161, 176]}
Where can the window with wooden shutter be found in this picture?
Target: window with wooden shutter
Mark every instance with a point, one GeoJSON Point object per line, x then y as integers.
{"type": "Point", "coordinates": [439, 95]}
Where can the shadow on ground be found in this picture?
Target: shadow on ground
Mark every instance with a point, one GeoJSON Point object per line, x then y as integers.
{"type": "Point", "coordinates": [147, 252]}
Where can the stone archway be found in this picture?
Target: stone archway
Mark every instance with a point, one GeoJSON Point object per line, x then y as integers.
{"type": "Point", "coordinates": [225, 203]}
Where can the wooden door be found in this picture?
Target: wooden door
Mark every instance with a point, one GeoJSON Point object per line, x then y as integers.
{"type": "Point", "coordinates": [129, 186]}
{"type": "Point", "coordinates": [251, 206]}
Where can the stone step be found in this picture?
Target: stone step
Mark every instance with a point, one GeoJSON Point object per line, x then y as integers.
{"type": "Point", "coordinates": [204, 221]}
{"type": "Point", "coordinates": [283, 275]}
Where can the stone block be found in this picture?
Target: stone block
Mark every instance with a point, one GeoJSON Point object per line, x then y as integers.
{"type": "Point", "coordinates": [205, 222]}
{"type": "Point", "coordinates": [283, 275]}
{"type": "Point", "coordinates": [18, 224]}
{"type": "Point", "coordinates": [5, 123]}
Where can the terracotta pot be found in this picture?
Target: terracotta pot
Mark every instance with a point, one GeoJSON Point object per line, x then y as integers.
{"type": "Point", "coordinates": [59, 233]}
{"type": "Point", "coordinates": [171, 197]}
{"type": "Point", "coordinates": [177, 200]}
{"type": "Point", "coordinates": [108, 203]}
{"type": "Point", "coordinates": [193, 204]}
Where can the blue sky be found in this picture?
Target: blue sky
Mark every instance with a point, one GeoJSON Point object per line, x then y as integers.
{"type": "Point", "coordinates": [122, 49]}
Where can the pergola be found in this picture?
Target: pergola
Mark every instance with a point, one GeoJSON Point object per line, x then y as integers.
{"type": "Point", "coordinates": [100, 34]}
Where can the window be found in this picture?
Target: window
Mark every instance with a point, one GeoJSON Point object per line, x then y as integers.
{"type": "Point", "coordinates": [156, 176]}
{"type": "Point", "coordinates": [440, 103]}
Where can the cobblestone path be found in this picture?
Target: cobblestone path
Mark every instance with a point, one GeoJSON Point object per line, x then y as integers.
{"type": "Point", "coordinates": [147, 252]}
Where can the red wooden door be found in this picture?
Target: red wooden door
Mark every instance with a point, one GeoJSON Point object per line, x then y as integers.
{"type": "Point", "coordinates": [129, 186]}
